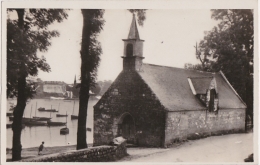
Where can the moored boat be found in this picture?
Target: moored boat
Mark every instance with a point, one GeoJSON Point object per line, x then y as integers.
{"type": "Point", "coordinates": [74, 117]}
{"type": "Point", "coordinates": [47, 110]}
{"type": "Point", "coordinates": [64, 131]}
{"type": "Point", "coordinates": [35, 123]}
{"type": "Point", "coordinates": [52, 123]}
{"type": "Point", "coordinates": [61, 115]}
{"type": "Point", "coordinates": [42, 118]}
{"type": "Point", "coordinates": [24, 119]}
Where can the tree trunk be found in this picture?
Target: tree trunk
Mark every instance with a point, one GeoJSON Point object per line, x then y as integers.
{"type": "Point", "coordinates": [85, 81]}
{"type": "Point", "coordinates": [17, 122]}
{"type": "Point", "coordinates": [21, 102]}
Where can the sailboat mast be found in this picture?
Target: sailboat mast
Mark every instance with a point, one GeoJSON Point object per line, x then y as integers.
{"type": "Point", "coordinates": [73, 108]}
{"type": "Point", "coordinates": [31, 113]}
{"type": "Point", "coordinates": [35, 109]}
{"type": "Point", "coordinates": [66, 119]}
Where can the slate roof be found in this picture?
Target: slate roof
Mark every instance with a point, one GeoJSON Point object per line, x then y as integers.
{"type": "Point", "coordinates": [171, 87]}
{"type": "Point", "coordinates": [201, 84]}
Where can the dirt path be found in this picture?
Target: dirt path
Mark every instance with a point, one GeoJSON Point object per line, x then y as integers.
{"type": "Point", "coordinates": [227, 148]}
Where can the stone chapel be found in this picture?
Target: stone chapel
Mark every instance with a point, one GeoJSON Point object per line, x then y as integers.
{"type": "Point", "coordinates": [152, 105]}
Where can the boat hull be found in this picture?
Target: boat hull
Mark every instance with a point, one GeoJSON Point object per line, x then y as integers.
{"type": "Point", "coordinates": [74, 117]}
{"type": "Point", "coordinates": [47, 110]}
{"type": "Point", "coordinates": [42, 118]}
{"type": "Point", "coordinates": [61, 115]}
{"type": "Point", "coordinates": [50, 123]}
{"type": "Point", "coordinates": [25, 119]}
{"type": "Point", "coordinates": [64, 131]}
{"type": "Point", "coordinates": [35, 123]}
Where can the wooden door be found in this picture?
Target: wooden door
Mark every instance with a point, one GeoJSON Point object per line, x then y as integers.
{"type": "Point", "coordinates": [128, 128]}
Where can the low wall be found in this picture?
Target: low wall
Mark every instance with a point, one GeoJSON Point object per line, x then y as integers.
{"type": "Point", "coordinates": [94, 154]}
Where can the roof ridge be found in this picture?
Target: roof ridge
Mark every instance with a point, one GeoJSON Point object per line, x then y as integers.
{"type": "Point", "coordinates": [179, 68]}
{"type": "Point", "coordinates": [201, 77]}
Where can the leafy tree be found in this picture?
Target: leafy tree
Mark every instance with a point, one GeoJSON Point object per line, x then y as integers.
{"type": "Point", "coordinates": [230, 47]}
{"type": "Point", "coordinates": [90, 56]}
{"type": "Point", "coordinates": [206, 67]}
{"type": "Point", "coordinates": [25, 36]}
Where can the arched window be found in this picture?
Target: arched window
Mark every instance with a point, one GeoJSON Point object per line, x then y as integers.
{"type": "Point", "coordinates": [129, 50]}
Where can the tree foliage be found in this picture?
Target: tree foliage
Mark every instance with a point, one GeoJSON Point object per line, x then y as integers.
{"type": "Point", "coordinates": [22, 45]}
{"type": "Point", "coordinates": [141, 15]}
{"type": "Point", "coordinates": [230, 47]}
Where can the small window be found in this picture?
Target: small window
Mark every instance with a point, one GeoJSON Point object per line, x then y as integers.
{"type": "Point", "coordinates": [115, 92]}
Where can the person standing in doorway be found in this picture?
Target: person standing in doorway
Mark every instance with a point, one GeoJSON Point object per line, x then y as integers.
{"type": "Point", "coordinates": [40, 148]}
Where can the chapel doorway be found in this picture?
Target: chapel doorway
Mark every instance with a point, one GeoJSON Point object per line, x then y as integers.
{"type": "Point", "coordinates": [126, 128]}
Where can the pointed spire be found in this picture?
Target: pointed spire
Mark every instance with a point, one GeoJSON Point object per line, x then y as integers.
{"type": "Point", "coordinates": [133, 33]}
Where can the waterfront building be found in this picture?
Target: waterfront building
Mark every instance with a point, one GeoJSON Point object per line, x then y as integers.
{"type": "Point", "coordinates": [152, 105]}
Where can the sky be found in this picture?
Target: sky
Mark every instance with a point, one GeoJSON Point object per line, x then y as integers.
{"type": "Point", "coordinates": [170, 37]}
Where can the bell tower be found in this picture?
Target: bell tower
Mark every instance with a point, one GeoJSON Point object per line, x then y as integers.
{"type": "Point", "coordinates": [133, 49]}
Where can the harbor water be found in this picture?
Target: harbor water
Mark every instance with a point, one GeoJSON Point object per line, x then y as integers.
{"type": "Point", "coordinates": [33, 136]}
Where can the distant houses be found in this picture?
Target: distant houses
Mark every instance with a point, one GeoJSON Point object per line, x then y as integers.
{"type": "Point", "coordinates": [47, 89]}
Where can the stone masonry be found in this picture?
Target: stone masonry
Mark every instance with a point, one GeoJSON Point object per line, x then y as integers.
{"type": "Point", "coordinates": [196, 124]}
{"type": "Point", "coordinates": [135, 98]}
